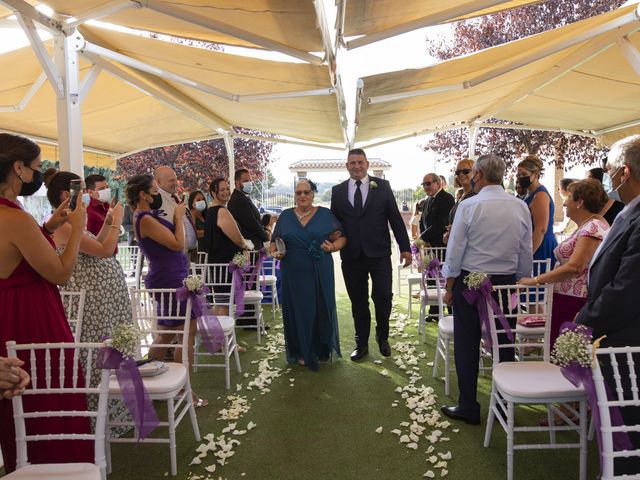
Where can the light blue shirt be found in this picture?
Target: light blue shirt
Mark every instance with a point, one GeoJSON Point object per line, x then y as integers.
{"type": "Point", "coordinates": [491, 233]}
{"type": "Point", "coordinates": [364, 189]}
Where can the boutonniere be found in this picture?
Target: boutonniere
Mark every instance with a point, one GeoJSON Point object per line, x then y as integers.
{"type": "Point", "coordinates": [373, 184]}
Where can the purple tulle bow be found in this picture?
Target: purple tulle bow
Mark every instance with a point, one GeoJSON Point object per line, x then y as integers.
{"type": "Point", "coordinates": [480, 297]}
{"type": "Point", "coordinates": [238, 286]}
{"type": "Point", "coordinates": [211, 333]}
{"type": "Point", "coordinates": [262, 254]}
{"type": "Point", "coordinates": [579, 375]}
{"type": "Point", "coordinates": [198, 301]}
{"type": "Point", "coordinates": [133, 392]}
{"type": "Point", "coordinates": [433, 270]}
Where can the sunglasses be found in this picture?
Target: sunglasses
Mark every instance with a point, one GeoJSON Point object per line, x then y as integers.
{"type": "Point", "coordinates": [426, 184]}
{"type": "Point", "coordinates": [463, 171]}
{"type": "Point", "coordinates": [299, 193]}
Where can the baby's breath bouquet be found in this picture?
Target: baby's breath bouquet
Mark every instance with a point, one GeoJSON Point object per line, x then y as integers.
{"type": "Point", "coordinates": [427, 258]}
{"type": "Point", "coordinates": [474, 279]}
{"type": "Point", "coordinates": [573, 346]}
{"type": "Point", "coordinates": [126, 339]}
{"type": "Point", "coordinates": [239, 260]}
{"type": "Point", "coordinates": [193, 283]}
{"type": "Point", "coordinates": [420, 243]}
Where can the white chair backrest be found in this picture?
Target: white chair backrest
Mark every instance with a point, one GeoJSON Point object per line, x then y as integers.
{"type": "Point", "coordinates": [202, 257]}
{"type": "Point", "coordinates": [128, 258]}
{"type": "Point", "coordinates": [622, 365]}
{"type": "Point", "coordinates": [149, 306]}
{"type": "Point", "coordinates": [438, 252]}
{"type": "Point", "coordinates": [541, 266]}
{"type": "Point", "coordinates": [252, 273]}
{"type": "Point", "coordinates": [517, 302]}
{"type": "Point", "coordinates": [73, 303]}
{"type": "Point", "coordinates": [48, 377]}
{"type": "Point", "coordinates": [218, 279]}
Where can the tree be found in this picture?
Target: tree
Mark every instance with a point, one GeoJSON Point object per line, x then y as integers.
{"type": "Point", "coordinates": [197, 163]}
{"type": "Point", "coordinates": [476, 34]}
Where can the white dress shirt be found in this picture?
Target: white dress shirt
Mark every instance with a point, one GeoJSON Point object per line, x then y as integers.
{"type": "Point", "coordinates": [364, 189]}
{"type": "Point", "coordinates": [167, 212]}
{"type": "Point", "coordinates": [491, 233]}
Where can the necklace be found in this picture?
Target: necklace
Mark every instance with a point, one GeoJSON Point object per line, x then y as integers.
{"type": "Point", "coordinates": [589, 218]}
{"type": "Point", "coordinates": [303, 215]}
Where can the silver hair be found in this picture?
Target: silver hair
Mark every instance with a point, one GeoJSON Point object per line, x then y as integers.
{"type": "Point", "coordinates": [625, 152]}
{"type": "Point", "coordinates": [435, 178]}
{"type": "Point", "coordinates": [492, 166]}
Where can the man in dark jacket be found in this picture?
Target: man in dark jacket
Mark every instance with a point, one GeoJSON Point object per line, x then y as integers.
{"type": "Point", "coordinates": [245, 212]}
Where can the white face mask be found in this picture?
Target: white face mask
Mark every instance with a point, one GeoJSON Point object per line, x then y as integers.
{"type": "Point", "coordinates": [104, 195]}
{"type": "Point", "coordinates": [86, 199]}
{"type": "Point", "coordinates": [200, 205]}
{"type": "Point", "coordinates": [247, 187]}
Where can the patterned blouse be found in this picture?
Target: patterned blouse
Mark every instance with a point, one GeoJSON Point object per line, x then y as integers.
{"type": "Point", "coordinates": [577, 286]}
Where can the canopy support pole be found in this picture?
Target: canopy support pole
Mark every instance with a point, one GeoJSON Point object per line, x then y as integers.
{"type": "Point", "coordinates": [631, 53]}
{"type": "Point", "coordinates": [472, 131]}
{"type": "Point", "coordinates": [68, 105]}
{"type": "Point", "coordinates": [228, 145]}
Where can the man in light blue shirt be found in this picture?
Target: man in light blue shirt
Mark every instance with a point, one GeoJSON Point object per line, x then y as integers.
{"type": "Point", "coordinates": [491, 233]}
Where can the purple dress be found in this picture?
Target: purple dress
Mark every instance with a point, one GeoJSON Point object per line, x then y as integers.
{"type": "Point", "coordinates": [167, 268]}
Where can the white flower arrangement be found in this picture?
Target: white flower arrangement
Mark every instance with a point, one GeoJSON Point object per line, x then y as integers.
{"type": "Point", "coordinates": [420, 243]}
{"type": "Point", "coordinates": [474, 279]}
{"type": "Point", "coordinates": [239, 260]}
{"type": "Point", "coordinates": [193, 283]}
{"type": "Point", "coordinates": [572, 346]}
{"type": "Point", "coordinates": [427, 258]}
{"type": "Point", "coordinates": [373, 184]}
{"type": "Point", "coordinates": [126, 339]}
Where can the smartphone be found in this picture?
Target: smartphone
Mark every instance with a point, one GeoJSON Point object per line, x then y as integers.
{"type": "Point", "coordinates": [74, 189]}
{"type": "Point", "coordinates": [116, 197]}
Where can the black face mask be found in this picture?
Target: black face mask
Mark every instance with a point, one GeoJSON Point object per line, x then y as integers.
{"type": "Point", "coordinates": [156, 203]}
{"type": "Point", "coordinates": [524, 182]}
{"type": "Point", "coordinates": [33, 186]}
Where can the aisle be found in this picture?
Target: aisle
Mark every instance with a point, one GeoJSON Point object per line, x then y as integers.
{"type": "Point", "coordinates": [318, 425]}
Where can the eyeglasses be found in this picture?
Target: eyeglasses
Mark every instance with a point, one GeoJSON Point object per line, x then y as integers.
{"type": "Point", "coordinates": [463, 171]}
{"type": "Point", "coordinates": [427, 184]}
{"type": "Point", "coordinates": [299, 193]}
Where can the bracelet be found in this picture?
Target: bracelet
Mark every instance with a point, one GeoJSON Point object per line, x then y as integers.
{"type": "Point", "coordinates": [536, 280]}
{"type": "Point", "coordinates": [114, 226]}
{"type": "Point", "coordinates": [448, 289]}
{"type": "Point", "coordinates": [44, 227]}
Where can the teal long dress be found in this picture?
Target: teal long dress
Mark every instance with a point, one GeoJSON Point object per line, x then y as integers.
{"type": "Point", "coordinates": [308, 287]}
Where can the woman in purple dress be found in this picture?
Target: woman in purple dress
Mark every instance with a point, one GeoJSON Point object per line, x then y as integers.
{"type": "Point", "coordinates": [162, 244]}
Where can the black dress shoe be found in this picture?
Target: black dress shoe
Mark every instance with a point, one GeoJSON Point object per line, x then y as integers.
{"type": "Point", "coordinates": [359, 353]}
{"type": "Point", "coordinates": [455, 414]}
{"type": "Point", "coordinates": [385, 349]}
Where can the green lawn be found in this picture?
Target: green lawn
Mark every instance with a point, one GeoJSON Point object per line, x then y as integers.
{"type": "Point", "coordinates": [323, 424]}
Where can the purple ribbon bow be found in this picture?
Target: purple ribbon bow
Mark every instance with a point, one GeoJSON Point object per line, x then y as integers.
{"type": "Point", "coordinates": [480, 297]}
{"type": "Point", "coordinates": [198, 302]}
{"type": "Point", "coordinates": [433, 270]}
{"type": "Point", "coordinates": [579, 375]}
{"type": "Point", "coordinates": [257, 267]}
{"type": "Point", "coordinates": [238, 286]}
{"type": "Point", "coordinates": [133, 392]}
{"type": "Point", "coordinates": [211, 333]}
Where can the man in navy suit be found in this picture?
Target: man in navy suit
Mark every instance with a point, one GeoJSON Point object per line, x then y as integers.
{"type": "Point", "coordinates": [614, 281]}
{"type": "Point", "coordinates": [366, 207]}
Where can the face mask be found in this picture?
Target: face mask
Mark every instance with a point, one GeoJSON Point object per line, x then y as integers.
{"type": "Point", "coordinates": [617, 189]}
{"type": "Point", "coordinates": [200, 205]}
{"type": "Point", "coordinates": [606, 183]}
{"type": "Point", "coordinates": [524, 182]}
{"type": "Point", "coordinates": [156, 203]}
{"type": "Point", "coordinates": [104, 195]}
{"type": "Point", "coordinates": [86, 199]}
{"type": "Point", "coordinates": [32, 187]}
{"type": "Point", "coordinates": [247, 187]}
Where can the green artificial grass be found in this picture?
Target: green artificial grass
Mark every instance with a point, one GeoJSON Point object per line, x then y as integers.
{"type": "Point", "coordinates": [323, 424]}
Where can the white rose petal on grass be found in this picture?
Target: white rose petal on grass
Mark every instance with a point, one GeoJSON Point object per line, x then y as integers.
{"type": "Point", "coordinates": [456, 430]}
{"type": "Point", "coordinates": [384, 372]}
{"type": "Point", "coordinates": [444, 472]}
{"type": "Point", "coordinates": [429, 364]}
{"type": "Point", "coordinates": [396, 431]}
{"type": "Point", "coordinates": [378, 362]}
{"type": "Point", "coordinates": [251, 426]}
{"type": "Point", "coordinates": [405, 439]}
{"type": "Point", "coordinates": [211, 468]}
{"type": "Point", "coordinates": [430, 449]}
{"type": "Point", "coordinates": [432, 459]}
{"type": "Point", "coordinates": [379, 430]}
{"type": "Point", "coordinates": [429, 474]}
{"type": "Point", "coordinates": [412, 445]}
{"type": "Point", "coordinates": [445, 456]}
{"type": "Point", "coordinates": [196, 461]}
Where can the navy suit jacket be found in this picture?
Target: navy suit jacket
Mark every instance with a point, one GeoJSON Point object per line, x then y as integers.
{"type": "Point", "coordinates": [247, 217]}
{"type": "Point", "coordinates": [368, 233]}
{"type": "Point", "coordinates": [435, 218]}
{"type": "Point", "coordinates": [612, 308]}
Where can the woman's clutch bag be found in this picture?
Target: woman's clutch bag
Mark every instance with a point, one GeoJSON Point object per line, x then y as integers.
{"type": "Point", "coordinates": [280, 246]}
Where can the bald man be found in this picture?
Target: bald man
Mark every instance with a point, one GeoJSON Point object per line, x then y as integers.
{"type": "Point", "coordinates": [167, 187]}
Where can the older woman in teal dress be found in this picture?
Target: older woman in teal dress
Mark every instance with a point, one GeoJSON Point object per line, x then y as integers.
{"type": "Point", "coordinates": [310, 235]}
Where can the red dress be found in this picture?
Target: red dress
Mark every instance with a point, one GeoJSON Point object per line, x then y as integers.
{"type": "Point", "coordinates": [31, 311]}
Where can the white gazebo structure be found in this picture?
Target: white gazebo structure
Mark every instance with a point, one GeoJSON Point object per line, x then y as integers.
{"type": "Point", "coordinates": [302, 167]}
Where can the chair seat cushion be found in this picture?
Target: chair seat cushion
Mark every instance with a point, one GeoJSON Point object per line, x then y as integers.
{"type": "Point", "coordinates": [253, 296]}
{"type": "Point", "coordinates": [268, 279]}
{"type": "Point", "coordinates": [445, 325]}
{"type": "Point", "coordinates": [173, 379]}
{"type": "Point", "coordinates": [525, 331]}
{"type": "Point", "coordinates": [414, 278]}
{"type": "Point", "coordinates": [57, 471]}
{"type": "Point", "coordinates": [540, 380]}
{"type": "Point", "coordinates": [226, 323]}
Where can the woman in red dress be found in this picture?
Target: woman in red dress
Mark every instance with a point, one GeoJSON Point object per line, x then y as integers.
{"type": "Point", "coordinates": [31, 309]}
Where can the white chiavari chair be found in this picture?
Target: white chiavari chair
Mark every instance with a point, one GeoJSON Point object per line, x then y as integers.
{"type": "Point", "coordinates": [432, 296]}
{"type": "Point", "coordinates": [47, 358]}
{"type": "Point", "coordinates": [531, 383]}
{"type": "Point", "coordinates": [148, 306]}
{"type": "Point", "coordinates": [73, 303]}
{"type": "Point", "coordinates": [130, 258]}
{"type": "Point", "coordinates": [252, 299]}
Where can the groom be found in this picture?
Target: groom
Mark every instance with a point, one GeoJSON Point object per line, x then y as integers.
{"type": "Point", "coordinates": [366, 207]}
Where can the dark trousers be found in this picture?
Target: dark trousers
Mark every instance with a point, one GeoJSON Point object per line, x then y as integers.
{"type": "Point", "coordinates": [356, 275]}
{"type": "Point", "coordinates": [630, 415]}
{"type": "Point", "coordinates": [466, 341]}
